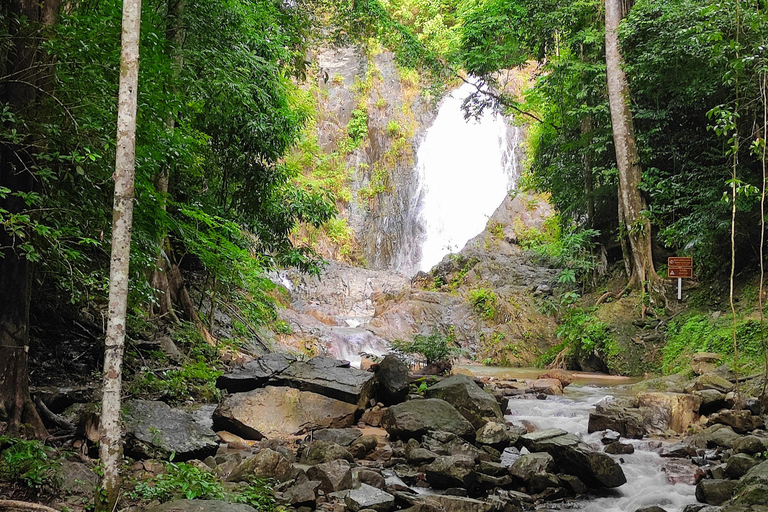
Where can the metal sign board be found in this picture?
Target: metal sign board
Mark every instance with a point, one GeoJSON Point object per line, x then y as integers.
{"type": "Point", "coordinates": [678, 273]}
{"type": "Point", "coordinates": [680, 262]}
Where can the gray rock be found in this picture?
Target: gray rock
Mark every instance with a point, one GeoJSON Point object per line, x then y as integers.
{"type": "Point", "coordinates": [738, 465]}
{"type": "Point", "coordinates": [368, 497]}
{"type": "Point", "coordinates": [370, 477]}
{"type": "Point", "coordinates": [753, 487]}
{"type": "Point", "coordinates": [331, 378]}
{"type": "Point", "coordinates": [445, 443]}
{"type": "Point", "coordinates": [77, 478]}
{"type": "Point", "coordinates": [363, 446]}
{"type": "Point", "coordinates": [496, 434]}
{"type": "Point", "coordinates": [654, 508]}
{"type": "Point", "coordinates": [392, 380]}
{"type": "Point", "coordinates": [333, 476]}
{"type": "Point", "coordinates": [460, 504]}
{"type": "Point", "coordinates": [714, 492]}
{"type": "Point", "coordinates": [265, 464]}
{"type": "Point", "coordinates": [200, 506]}
{"type": "Point", "coordinates": [573, 483]}
{"type": "Point", "coordinates": [254, 374]}
{"type": "Point", "coordinates": [576, 458]}
{"type": "Point", "coordinates": [620, 415]}
{"type": "Point", "coordinates": [416, 417]}
{"type": "Point", "coordinates": [716, 435]}
{"type": "Point", "coordinates": [711, 400]}
{"type": "Point", "coordinates": [154, 430]}
{"type": "Point", "coordinates": [530, 464]}
{"type": "Point", "coordinates": [750, 445]}
{"type": "Point", "coordinates": [712, 381]}
{"type": "Point", "coordinates": [416, 455]}
{"type": "Point", "coordinates": [301, 494]}
{"type": "Point", "coordinates": [617, 448]}
{"type": "Point", "coordinates": [468, 398]}
{"type": "Point", "coordinates": [318, 452]}
{"type": "Point", "coordinates": [452, 471]}
{"type": "Point", "coordinates": [742, 421]}
{"type": "Point", "coordinates": [340, 436]}
{"type": "Point", "coordinates": [539, 482]}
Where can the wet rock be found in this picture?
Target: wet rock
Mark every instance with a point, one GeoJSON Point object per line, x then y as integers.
{"type": "Point", "coordinates": [280, 411]}
{"type": "Point", "coordinates": [705, 362]}
{"type": "Point", "coordinates": [200, 506]}
{"type": "Point", "coordinates": [416, 417]}
{"type": "Point", "coordinates": [564, 376]}
{"type": "Point", "coordinates": [318, 452]}
{"type": "Point", "coordinates": [651, 509]}
{"type": "Point", "coordinates": [154, 430]}
{"type": "Point", "coordinates": [460, 504]}
{"type": "Point", "coordinates": [254, 374]}
{"type": "Point", "coordinates": [370, 477]}
{"type": "Point", "coordinates": [265, 464]}
{"type": "Point", "coordinates": [368, 497]}
{"type": "Point", "coordinates": [669, 383]}
{"type": "Point", "coordinates": [679, 450]}
{"type": "Point", "coordinates": [740, 421]}
{"type": "Point", "coordinates": [341, 436]}
{"type": "Point", "coordinates": [716, 435]}
{"type": "Point", "coordinates": [539, 482]}
{"type": "Point", "coordinates": [333, 476]}
{"type": "Point", "coordinates": [714, 492]}
{"type": "Point", "coordinates": [753, 487]}
{"type": "Point", "coordinates": [529, 464]}
{"type": "Point", "coordinates": [363, 446]}
{"type": "Point", "coordinates": [416, 455]}
{"type": "Point", "coordinates": [573, 483]}
{"type": "Point", "coordinates": [545, 386]}
{"type": "Point", "coordinates": [452, 471]}
{"type": "Point", "coordinates": [392, 380]}
{"type": "Point", "coordinates": [663, 411]}
{"type": "Point", "coordinates": [495, 434]}
{"type": "Point", "coordinates": [620, 415]}
{"type": "Point", "coordinates": [617, 448]}
{"type": "Point", "coordinates": [331, 378]}
{"type": "Point", "coordinates": [301, 494]}
{"type": "Point", "coordinates": [446, 443]}
{"type": "Point", "coordinates": [468, 398]}
{"type": "Point", "coordinates": [738, 465]}
{"type": "Point", "coordinates": [750, 445]}
{"type": "Point", "coordinates": [574, 457]}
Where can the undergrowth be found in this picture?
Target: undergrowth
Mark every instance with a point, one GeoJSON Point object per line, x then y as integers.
{"type": "Point", "coordinates": [29, 463]}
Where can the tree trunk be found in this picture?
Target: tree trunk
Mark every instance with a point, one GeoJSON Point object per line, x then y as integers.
{"type": "Point", "coordinates": [16, 164]}
{"type": "Point", "coordinates": [110, 446]}
{"type": "Point", "coordinates": [632, 205]}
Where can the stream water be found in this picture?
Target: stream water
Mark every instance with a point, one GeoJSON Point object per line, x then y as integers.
{"type": "Point", "coordinates": [649, 476]}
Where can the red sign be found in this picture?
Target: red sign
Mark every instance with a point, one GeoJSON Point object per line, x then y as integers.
{"type": "Point", "coordinates": [677, 273]}
{"type": "Point", "coordinates": [680, 262]}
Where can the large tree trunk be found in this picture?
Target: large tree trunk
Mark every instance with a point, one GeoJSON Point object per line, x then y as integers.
{"type": "Point", "coordinates": [23, 60]}
{"type": "Point", "coordinates": [632, 205]}
{"type": "Point", "coordinates": [110, 446]}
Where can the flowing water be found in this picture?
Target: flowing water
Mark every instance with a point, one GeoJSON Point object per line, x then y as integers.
{"type": "Point", "coordinates": [649, 476]}
{"type": "Point", "coordinates": [465, 168]}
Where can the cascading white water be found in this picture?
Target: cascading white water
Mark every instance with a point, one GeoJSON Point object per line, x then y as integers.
{"type": "Point", "coordinates": [466, 167]}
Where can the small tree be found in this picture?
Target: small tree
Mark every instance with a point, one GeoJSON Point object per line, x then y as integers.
{"type": "Point", "coordinates": [437, 349]}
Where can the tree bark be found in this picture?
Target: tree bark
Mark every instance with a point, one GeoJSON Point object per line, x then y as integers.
{"type": "Point", "coordinates": [21, 58]}
{"type": "Point", "coordinates": [110, 446]}
{"type": "Point", "coordinates": [632, 204]}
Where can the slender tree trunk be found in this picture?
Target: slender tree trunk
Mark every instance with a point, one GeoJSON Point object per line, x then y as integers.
{"type": "Point", "coordinates": [110, 446]}
{"type": "Point", "coordinates": [632, 204]}
{"type": "Point", "coordinates": [22, 57]}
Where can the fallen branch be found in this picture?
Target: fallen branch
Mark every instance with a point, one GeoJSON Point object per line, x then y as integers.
{"type": "Point", "coordinates": [13, 505]}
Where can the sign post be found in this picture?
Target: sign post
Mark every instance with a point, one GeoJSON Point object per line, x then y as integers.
{"type": "Point", "coordinates": [679, 267]}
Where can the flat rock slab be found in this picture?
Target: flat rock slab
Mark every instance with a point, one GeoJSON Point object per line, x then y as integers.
{"type": "Point", "coordinates": [417, 417]}
{"type": "Point", "coordinates": [329, 377]}
{"type": "Point", "coordinates": [154, 430]}
{"type": "Point", "coordinates": [201, 506]}
{"type": "Point", "coordinates": [254, 374]}
{"type": "Point", "coordinates": [274, 412]}
{"type": "Point", "coordinates": [369, 497]}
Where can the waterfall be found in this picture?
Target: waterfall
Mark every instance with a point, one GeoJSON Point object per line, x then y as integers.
{"type": "Point", "coordinates": [465, 167]}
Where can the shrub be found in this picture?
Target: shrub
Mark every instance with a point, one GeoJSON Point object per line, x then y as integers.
{"type": "Point", "coordinates": [484, 302]}
{"type": "Point", "coordinates": [27, 462]}
{"type": "Point", "coordinates": [436, 348]}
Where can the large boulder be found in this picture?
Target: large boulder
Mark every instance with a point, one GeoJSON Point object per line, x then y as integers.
{"type": "Point", "coordinates": [468, 398]}
{"type": "Point", "coordinates": [741, 422]}
{"type": "Point", "coordinates": [333, 476]}
{"type": "Point", "coordinates": [255, 374]}
{"type": "Point", "coordinates": [319, 452]}
{"type": "Point", "coordinates": [154, 430]}
{"type": "Point", "coordinates": [329, 377]}
{"type": "Point", "coordinates": [392, 380]}
{"type": "Point", "coordinates": [752, 488]}
{"type": "Point", "coordinates": [275, 412]}
{"type": "Point", "coordinates": [716, 435]}
{"type": "Point", "coordinates": [664, 411]}
{"type": "Point", "coordinates": [417, 417]}
{"type": "Point", "coordinates": [714, 492]}
{"type": "Point", "coordinates": [576, 458]}
{"type": "Point", "coordinates": [620, 414]}
{"type": "Point", "coordinates": [530, 464]}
